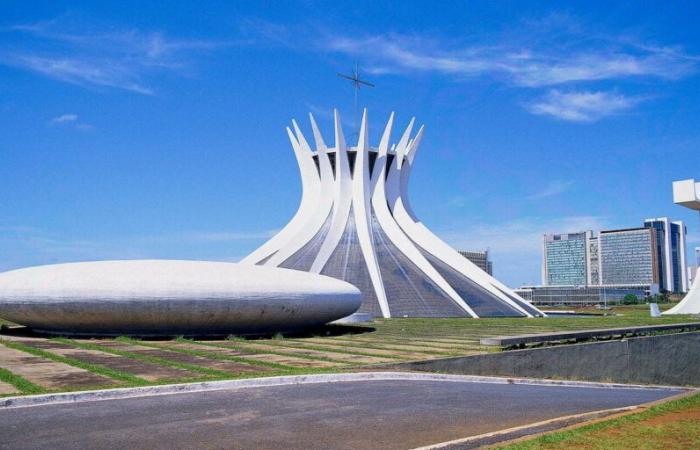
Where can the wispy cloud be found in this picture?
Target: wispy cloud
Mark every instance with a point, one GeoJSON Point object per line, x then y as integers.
{"type": "Point", "coordinates": [63, 118]}
{"type": "Point", "coordinates": [216, 236]}
{"type": "Point", "coordinates": [23, 246]}
{"type": "Point", "coordinates": [72, 120]}
{"type": "Point", "coordinates": [533, 65]}
{"type": "Point", "coordinates": [82, 55]}
{"type": "Point", "coordinates": [554, 52]}
{"type": "Point", "coordinates": [555, 187]}
{"type": "Point", "coordinates": [582, 106]}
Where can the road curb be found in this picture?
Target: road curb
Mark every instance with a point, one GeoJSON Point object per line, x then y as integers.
{"type": "Point", "coordinates": [122, 393]}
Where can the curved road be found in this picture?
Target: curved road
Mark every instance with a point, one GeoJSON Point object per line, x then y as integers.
{"type": "Point", "coordinates": [352, 415]}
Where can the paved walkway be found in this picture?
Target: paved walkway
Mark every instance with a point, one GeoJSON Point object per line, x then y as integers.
{"type": "Point", "coordinates": [352, 415]}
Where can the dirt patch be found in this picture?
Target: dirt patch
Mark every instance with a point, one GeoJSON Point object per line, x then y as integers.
{"type": "Point", "coordinates": [689, 414]}
{"type": "Point", "coordinates": [7, 388]}
{"type": "Point", "coordinates": [184, 358]}
{"type": "Point", "coordinates": [50, 374]}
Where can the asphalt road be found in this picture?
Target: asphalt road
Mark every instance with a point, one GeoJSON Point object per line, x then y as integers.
{"type": "Point", "coordinates": [352, 415]}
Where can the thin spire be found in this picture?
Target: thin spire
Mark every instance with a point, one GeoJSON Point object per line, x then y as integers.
{"type": "Point", "coordinates": [339, 138]}
{"type": "Point", "coordinates": [292, 138]}
{"type": "Point", "coordinates": [318, 137]}
{"type": "Point", "coordinates": [401, 146]}
{"type": "Point", "coordinates": [363, 139]}
{"type": "Point", "coordinates": [384, 142]}
{"type": "Point", "coordinates": [300, 136]}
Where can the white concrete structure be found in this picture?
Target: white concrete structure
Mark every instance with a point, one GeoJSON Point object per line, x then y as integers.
{"type": "Point", "coordinates": [355, 223]}
{"type": "Point", "coordinates": [162, 297]}
{"type": "Point", "coordinates": [687, 193]}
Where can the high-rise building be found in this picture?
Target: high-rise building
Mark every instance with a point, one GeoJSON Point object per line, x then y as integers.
{"type": "Point", "coordinates": [628, 256]}
{"type": "Point", "coordinates": [593, 260]}
{"type": "Point", "coordinates": [565, 259]}
{"type": "Point", "coordinates": [355, 222]}
{"type": "Point", "coordinates": [670, 253]}
{"type": "Point", "coordinates": [480, 259]}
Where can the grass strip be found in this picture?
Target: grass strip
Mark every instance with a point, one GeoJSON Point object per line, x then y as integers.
{"type": "Point", "coordinates": [124, 377]}
{"type": "Point", "coordinates": [390, 347]}
{"type": "Point", "coordinates": [622, 432]}
{"type": "Point", "coordinates": [209, 373]}
{"type": "Point", "coordinates": [214, 355]}
{"type": "Point", "coordinates": [235, 343]}
{"type": "Point", "coordinates": [320, 348]}
{"type": "Point", "coordinates": [23, 385]}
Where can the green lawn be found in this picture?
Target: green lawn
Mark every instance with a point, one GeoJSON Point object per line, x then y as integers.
{"type": "Point", "coordinates": [338, 348]}
{"type": "Point", "coordinates": [670, 425]}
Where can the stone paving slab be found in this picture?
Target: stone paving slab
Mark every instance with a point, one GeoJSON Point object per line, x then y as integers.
{"type": "Point", "coordinates": [216, 364]}
{"type": "Point", "coordinates": [342, 348]}
{"type": "Point", "coordinates": [264, 357]}
{"type": "Point", "coordinates": [341, 357]}
{"type": "Point", "coordinates": [47, 373]}
{"type": "Point", "coordinates": [385, 345]}
{"type": "Point", "coordinates": [427, 343]}
{"type": "Point", "coordinates": [293, 361]}
{"type": "Point", "coordinates": [7, 388]}
{"type": "Point", "coordinates": [437, 340]}
{"type": "Point", "coordinates": [355, 348]}
{"type": "Point", "coordinates": [141, 369]}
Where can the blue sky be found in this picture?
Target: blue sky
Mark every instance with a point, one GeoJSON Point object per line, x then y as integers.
{"type": "Point", "coordinates": [142, 129]}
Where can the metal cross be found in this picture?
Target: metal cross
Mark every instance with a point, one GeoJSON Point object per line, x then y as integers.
{"type": "Point", "coordinates": [357, 83]}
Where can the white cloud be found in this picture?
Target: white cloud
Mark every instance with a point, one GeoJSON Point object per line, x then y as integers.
{"type": "Point", "coordinates": [121, 59]}
{"type": "Point", "coordinates": [70, 120]}
{"type": "Point", "coordinates": [555, 187]}
{"type": "Point", "coordinates": [28, 246]}
{"type": "Point", "coordinates": [65, 118]}
{"type": "Point", "coordinates": [518, 61]}
{"type": "Point", "coordinates": [582, 106]}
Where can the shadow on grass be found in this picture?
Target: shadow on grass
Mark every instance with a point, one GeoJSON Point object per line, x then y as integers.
{"type": "Point", "coordinates": [324, 330]}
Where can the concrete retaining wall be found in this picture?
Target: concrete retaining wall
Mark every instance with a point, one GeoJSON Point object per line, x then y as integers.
{"type": "Point", "coordinates": [667, 359]}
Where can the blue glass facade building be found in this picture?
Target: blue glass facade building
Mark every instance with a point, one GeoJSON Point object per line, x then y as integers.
{"type": "Point", "coordinates": [670, 252]}
{"type": "Point", "coordinates": [565, 260]}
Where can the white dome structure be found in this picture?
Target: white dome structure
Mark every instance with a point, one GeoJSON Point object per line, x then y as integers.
{"type": "Point", "coordinates": [170, 297]}
{"type": "Point", "coordinates": [355, 223]}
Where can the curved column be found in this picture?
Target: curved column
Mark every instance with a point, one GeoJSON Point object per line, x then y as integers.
{"type": "Point", "coordinates": [317, 214]}
{"type": "Point", "coordinates": [362, 209]}
{"type": "Point", "coordinates": [389, 225]}
{"type": "Point", "coordinates": [342, 200]}
{"type": "Point", "coordinates": [421, 235]}
{"type": "Point", "coordinates": [311, 191]}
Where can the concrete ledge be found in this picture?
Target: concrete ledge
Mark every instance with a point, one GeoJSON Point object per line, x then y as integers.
{"type": "Point", "coordinates": [521, 339]}
{"type": "Point", "coordinates": [114, 394]}
{"type": "Point", "coordinates": [670, 359]}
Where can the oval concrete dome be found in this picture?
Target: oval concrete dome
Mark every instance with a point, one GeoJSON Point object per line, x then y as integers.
{"type": "Point", "coordinates": [170, 297]}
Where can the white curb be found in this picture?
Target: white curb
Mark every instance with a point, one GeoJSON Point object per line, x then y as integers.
{"type": "Point", "coordinates": [122, 393]}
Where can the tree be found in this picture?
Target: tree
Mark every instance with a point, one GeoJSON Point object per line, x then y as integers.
{"type": "Point", "coordinates": [629, 299]}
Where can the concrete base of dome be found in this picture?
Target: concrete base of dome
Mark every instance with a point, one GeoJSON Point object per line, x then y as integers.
{"type": "Point", "coordinates": [156, 297]}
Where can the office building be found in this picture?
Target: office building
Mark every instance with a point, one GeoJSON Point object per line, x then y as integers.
{"type": "Point", "coordinates": [480, 259]}
{"type": "Point", "coordinates": [670, 252]}
{"type": "Point", "coordinates": [628, 256]}
{"type": "Point", "coordinates": [565, 259]}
